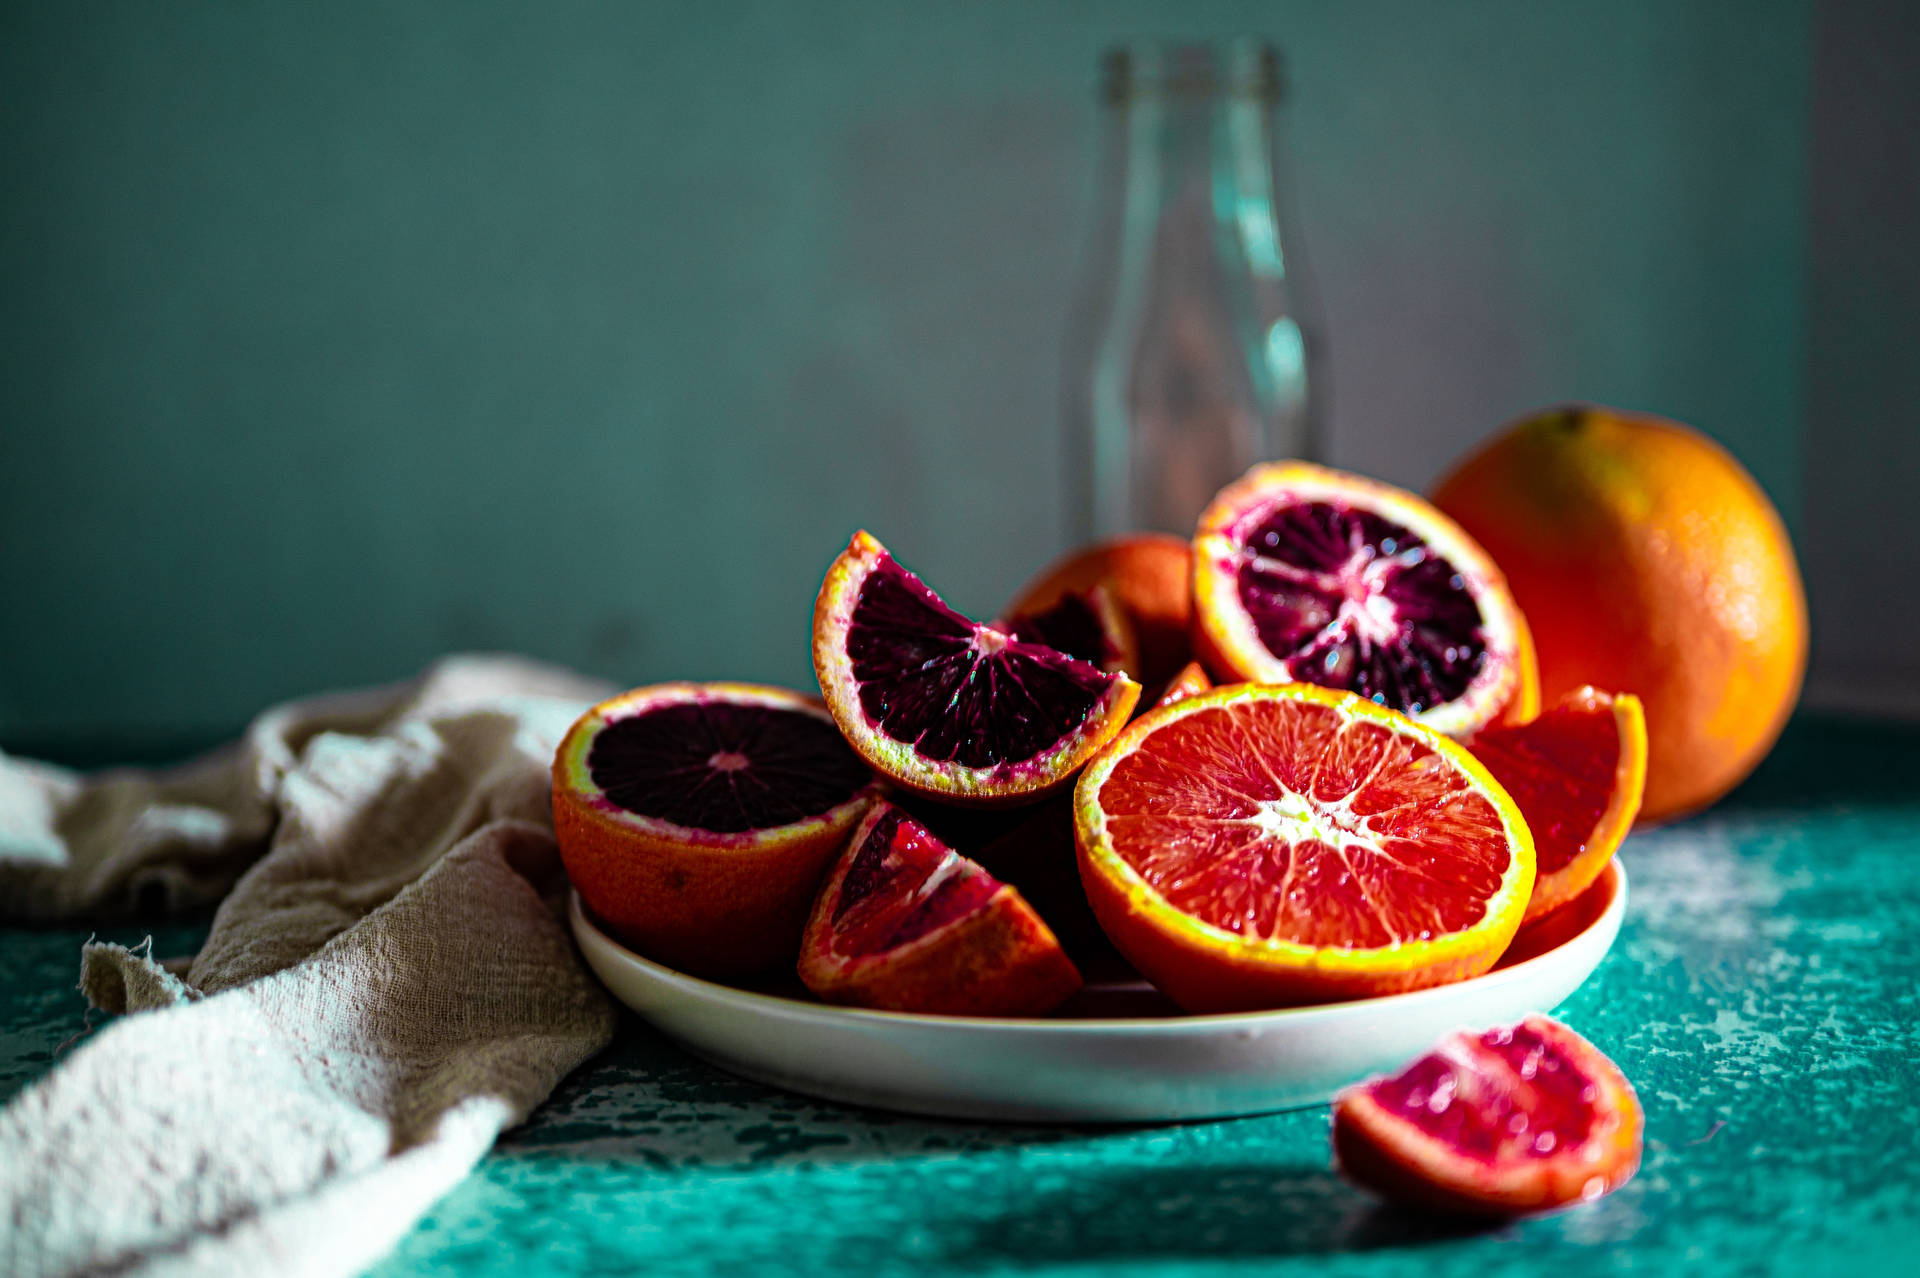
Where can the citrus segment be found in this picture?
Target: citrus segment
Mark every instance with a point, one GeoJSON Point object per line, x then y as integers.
{"type": "Point", "coordinates": [948, 706]}
{"type": "Point", "coordinates": [1257, 846]}
{"type": "Point", "coordinates": [1190, 681]}
{"type": "Point", "coordinates": [1147, 574]}
{"type": "Point", "coordinates": [903, 923]}
{"type": "Point", "coordinates": [1576, 772]}
{"type": "Point", "coordinates": [1307, 574]}
{"type": "Point", "coordinates": [1087, 624]}
{"type": "Point", "coordinates": [696, 819]}
{"type": "Point", "coordinates": [1525, 1118]}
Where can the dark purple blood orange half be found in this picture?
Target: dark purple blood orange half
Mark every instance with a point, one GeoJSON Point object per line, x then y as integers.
{"type": "Point", "coordinates": [903, 923]}
{"type": "Point", "coordinates": [696, 819]}
{"type": "Point", "coordinates": [726, 766]}
{"type": "Point", "coordinates": [1304, 574]}
{"type": "Point", "coordinates": [946, 706]}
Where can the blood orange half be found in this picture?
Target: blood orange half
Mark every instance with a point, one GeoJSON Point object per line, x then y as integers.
{"type": "Point", "coordinates": [1301, 573]}
{"type": "Point", "coordinates": [947, 706]}
{"type": "Point", "coordinates": [1521, 1119]}
{"type": "Point", "coordinates": [696, 819]}
{"type": "Point", "coordinates": [1263, 845]}
{"type": "Point", "coordinates": [905, 924]}
{"type": "Point", "coordinates": [1576, 773]}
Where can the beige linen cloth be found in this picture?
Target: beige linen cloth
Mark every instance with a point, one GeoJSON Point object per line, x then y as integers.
{"type": "Point", "coordinates": [387, 985]}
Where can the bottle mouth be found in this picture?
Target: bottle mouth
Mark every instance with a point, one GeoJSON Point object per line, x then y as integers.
{"type": "Point", "coordinates": [1241, 67]}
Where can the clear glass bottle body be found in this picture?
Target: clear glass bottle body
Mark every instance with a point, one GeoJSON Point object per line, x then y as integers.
{"type": "Point", "coordinates": [1192, 352]}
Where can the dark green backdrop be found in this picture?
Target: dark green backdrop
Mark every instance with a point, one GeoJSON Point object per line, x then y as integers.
{"type": "Point", "coordinates": [337, 336]}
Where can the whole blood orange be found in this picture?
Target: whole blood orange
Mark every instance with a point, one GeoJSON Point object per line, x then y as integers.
{"type": "Point", "coordinates": [905, 924]}
{"type": "Point", "coordinates": [1263, 845]}
{"type": "Point", "coordinates": [695, 820]}
{"type": "Point", "coordinates": [1305, 574]}
{"type": "Point", "coordinates": [1148, 576]}
{"type": "Point", "coordinates": [1521, 1119]}
{"type": "Point", "coordinates": [949, 707]}
{"type": "Point", "coordinates": [1576, 772]}
{"type": "Point", "coordinates": [1648, 561]}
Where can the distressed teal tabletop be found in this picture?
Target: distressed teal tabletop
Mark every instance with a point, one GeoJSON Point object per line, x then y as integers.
{"type": "Point", "coordinates": [1761, 998]}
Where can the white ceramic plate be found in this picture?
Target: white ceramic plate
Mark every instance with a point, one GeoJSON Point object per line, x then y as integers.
{"type": "Point", "coordinates": [1148, 1065]}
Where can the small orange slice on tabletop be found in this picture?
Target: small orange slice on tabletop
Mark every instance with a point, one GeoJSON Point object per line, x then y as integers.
{"type": "Point", "coordinates": [1311, 575]}
{"type": "Point", "coordinates": [1267, 845]}
{"type": "Point", "coordinates": [695, 819]}
{"type": "Point", "coordinates": [1576, 772]}
{"type": "Point", "coordinates": [948, 707]}
{"type": "Point", "coordinates": [1523, 1118]}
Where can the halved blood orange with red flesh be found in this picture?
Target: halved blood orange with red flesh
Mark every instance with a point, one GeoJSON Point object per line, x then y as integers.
{"type": "Point", "coordinates": [1088, 624]}
{"type": "Point", "coordinates": [947, 706]}
{"type": "Point", "coordinates": [1264, 845]}
{"type": "Point", "coordinates": [1526, 1118]}
{"type": "Point", "coordinates": [696, 819]}
{"type": "Point", "coordinates": [1307, 574]}
{"type": "Point", "coordinates": [903, 923]}
{"type": "Point", "coordinates": [1576, 772]}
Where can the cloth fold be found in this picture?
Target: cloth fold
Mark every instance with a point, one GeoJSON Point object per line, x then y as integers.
{"type": "Point", "coordinates": [387, 984]}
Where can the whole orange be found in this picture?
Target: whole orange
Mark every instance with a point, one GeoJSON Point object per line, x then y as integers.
{"type": "Point", "coordinates": [1647, 560]}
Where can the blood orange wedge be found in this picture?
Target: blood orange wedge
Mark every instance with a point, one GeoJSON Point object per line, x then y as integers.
{"type": "Point", "coordinates": [1148, 575]}
{"type": "Point", "coordinates": [947, 706]}
{"type": "Point", "coordinates": [1306, 574]}
{"type": "Point", "coordinates": [1086, 624]}
{"type": "Point", "coordinates": [905, 924]}
{"type": "Point", "coordinates": [1263, 845]}
{"type": "Point", "coordinates": [1515, 1120]}
{"type": "Point", "coordinates": [1191, 681]}
{"type": "Point", "coordinates": [696, 819]}
{"type": "Point", "coordinates": [1576, 772]}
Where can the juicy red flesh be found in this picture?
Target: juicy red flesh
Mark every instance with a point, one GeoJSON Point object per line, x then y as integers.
{"type": "Point", "coordinates": [725, 766]}
{"type": "Point", "coordinates": [1406, 849]}
{"type": "Point", "coordinates": [1507, 1094]}
{"type": "Point", "coordinates": [1559, 769]}
{"type": "Point", "coordinates": [1350, 600]}
{"type": "Point", "coordinates": [1070, 626]}
{"type": "Point", "coordinates": [903, 884]}
{"type": "Point", "coordinates": [927, 680]}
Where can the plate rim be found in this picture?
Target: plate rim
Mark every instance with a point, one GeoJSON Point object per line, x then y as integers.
{"type": "Point", "coordinates": [587, 933]}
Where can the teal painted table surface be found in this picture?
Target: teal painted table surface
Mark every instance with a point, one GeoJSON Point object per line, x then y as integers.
{"type": "Point", "coordinates": [1761, 997]}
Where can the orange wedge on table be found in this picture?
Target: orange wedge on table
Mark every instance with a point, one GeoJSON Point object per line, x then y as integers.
{"type": "Point", "coordinates": [1264, 845]}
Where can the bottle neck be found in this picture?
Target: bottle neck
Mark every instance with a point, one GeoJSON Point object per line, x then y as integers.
{"type": "Point", "coordinates": [1210, 160]}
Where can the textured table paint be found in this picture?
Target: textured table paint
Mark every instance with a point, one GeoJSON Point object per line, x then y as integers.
{"type": "Point", "coordinates": [1762, 998]}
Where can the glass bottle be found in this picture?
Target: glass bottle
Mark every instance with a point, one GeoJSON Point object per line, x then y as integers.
{"type": "Point", "coordinates": [1191, 353]}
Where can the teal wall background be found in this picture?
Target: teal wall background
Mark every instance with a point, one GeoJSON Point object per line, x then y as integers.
{"type": "Point", "coordinates": [339, 336]}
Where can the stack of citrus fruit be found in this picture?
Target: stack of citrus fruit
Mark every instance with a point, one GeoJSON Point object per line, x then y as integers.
{"type": "Point", "coordinates": [1340, 783]}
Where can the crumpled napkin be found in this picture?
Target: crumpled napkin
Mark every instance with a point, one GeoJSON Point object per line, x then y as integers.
{"type": "Point", "coordinates": [388, 982]}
